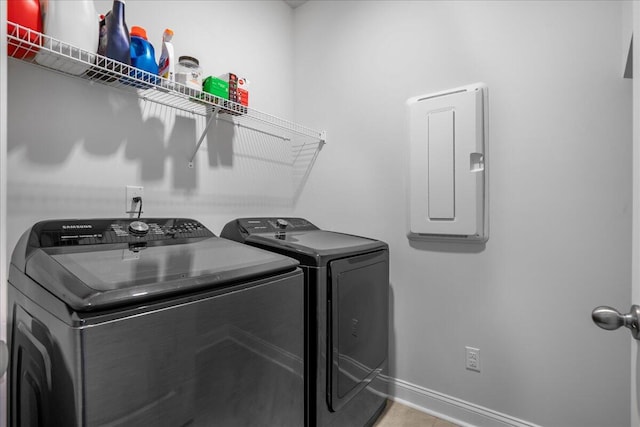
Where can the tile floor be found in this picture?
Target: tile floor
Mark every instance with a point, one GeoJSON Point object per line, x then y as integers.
{"type": "Point", "coordinates": [398, 415]}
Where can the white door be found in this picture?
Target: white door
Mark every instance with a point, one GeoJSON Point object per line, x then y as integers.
{"type": "Point", "coordinates": [607, 317]}
{"type": "Point", "coordinates": [635, 276]}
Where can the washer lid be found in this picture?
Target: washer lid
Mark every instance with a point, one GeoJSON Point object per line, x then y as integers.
{"type": "Point", "coordinates": [316, 246]}
{"type": "Point", "coordinates": [96, 277]}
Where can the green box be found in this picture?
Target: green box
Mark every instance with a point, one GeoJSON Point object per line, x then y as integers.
{"type": "Point", "coordinates": [216, 87]}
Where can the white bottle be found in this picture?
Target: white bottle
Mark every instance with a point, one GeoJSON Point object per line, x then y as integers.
{"type": "Point", "coordinates": [76, 25]}
{"type": "Point", "coordinates": [166, 64]}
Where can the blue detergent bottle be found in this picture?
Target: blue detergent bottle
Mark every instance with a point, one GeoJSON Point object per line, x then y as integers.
{"type": "Point", "coordinates": [143, 56]}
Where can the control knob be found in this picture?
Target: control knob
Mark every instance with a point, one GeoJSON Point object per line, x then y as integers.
{"type": "Point", "coordinates": [282, 223]}
{"type": "Point", "coordinates": [138, 228]}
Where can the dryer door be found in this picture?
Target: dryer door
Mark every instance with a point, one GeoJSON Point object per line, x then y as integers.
{"type": "Point", "coordinates": [357, 324]}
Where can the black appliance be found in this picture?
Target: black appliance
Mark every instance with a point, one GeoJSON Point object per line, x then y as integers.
{"type": "Point", "coordinates": [152, 322]}
{"type": "Point", "coordinates": [346, 315]}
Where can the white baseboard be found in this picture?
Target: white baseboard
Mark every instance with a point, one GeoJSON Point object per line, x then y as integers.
{"type": "Point", "coordinates": [449, 408]}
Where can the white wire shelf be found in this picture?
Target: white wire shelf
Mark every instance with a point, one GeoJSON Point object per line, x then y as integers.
{"type": "Point", "coordinates": [44, 51]}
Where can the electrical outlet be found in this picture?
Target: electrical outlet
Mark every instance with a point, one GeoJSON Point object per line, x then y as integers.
{"type": "Point", "coordinates": [473, 359]}
{"type": "Point", "coordinates": [131, 192]}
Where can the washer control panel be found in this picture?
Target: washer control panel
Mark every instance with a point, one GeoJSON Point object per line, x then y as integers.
{"type": "Point", "coordinates": [109, 231]}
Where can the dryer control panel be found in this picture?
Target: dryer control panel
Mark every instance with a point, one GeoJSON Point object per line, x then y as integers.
{"type": "Point", "coordinates": [242, 227]}
{"type": "Point", "coordinates": [109, 231]}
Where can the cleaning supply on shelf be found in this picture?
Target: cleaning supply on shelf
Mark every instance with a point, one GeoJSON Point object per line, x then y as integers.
{"type": "Point", "coordinates": [25, 13]}
{"type": "Point", "coordinates": [71, 28]}
{"type": "Point", "coordinates": [188, 72]}
{"type": "Point", "coordinates": [216, 87]}
{"type": "Point", "coordinates": [143, 56]}
{"type": "Point", "coordinates": [232, 79]}
{"type": "Point", "coordinates": [243, 91]}
{"type": "Point", "coordinates": [102, 34]}
{"type": "Point", "coordinates": [114, 44]}
{"type": "Point", "coordinates": [118, 39]}
{"type": "Point", "coordinates": [98, 72]}
{"type": "Point", "coordinates": [166, 64]}
{"type": "Point", "coordinates": [233, 107]}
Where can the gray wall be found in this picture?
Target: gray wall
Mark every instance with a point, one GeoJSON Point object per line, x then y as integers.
{"type": "Point", "coordinates": [560, 190]}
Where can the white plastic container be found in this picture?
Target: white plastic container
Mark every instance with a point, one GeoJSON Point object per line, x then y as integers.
{"type": "Point", "coordinates": [166, 64]}
{"type": "Point", "coordinates": [75, 24]}
{"type": "Point", "coordinates": [189, 73]}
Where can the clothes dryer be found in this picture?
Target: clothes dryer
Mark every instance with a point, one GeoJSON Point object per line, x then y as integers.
{"type": "Point", "coordinates": [346, 315]}
{"type": "Point", "coordinates": [152, 322]}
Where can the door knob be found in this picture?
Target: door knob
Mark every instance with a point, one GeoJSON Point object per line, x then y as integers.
{"type": "Point", "coordinates": [610, 319]}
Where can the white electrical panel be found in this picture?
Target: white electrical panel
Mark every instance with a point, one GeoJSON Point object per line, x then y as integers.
{"type": "Point", "coordinates": [448, 183]}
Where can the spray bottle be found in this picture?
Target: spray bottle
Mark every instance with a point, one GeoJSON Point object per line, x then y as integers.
{"type": "Point", "coordinates": [166, 65]}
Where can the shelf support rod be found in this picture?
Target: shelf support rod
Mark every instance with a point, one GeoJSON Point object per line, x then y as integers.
{"type": "Point", "coordinates": [213, 115]}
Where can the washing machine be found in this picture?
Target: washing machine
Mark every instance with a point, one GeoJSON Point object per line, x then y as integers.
{"type": "Point", "coordinates": [346, 315]}
{"type": "Point", "coordinates": [152, 322]}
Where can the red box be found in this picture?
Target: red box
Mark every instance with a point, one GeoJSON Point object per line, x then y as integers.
{"type": "Point", "coordinates": [243, 91]}
{"type": "Point", "coordinates": [236, 95]}
{"type": "Point", "coordinates": [233, 85]}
